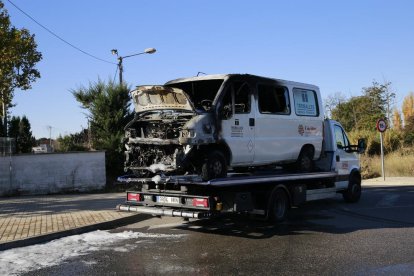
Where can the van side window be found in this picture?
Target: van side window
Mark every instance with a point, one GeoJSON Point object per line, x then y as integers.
{"type": "Point", "coordinates": [273, 99]}
{"type": "Point", "coordinates": [241, 97]}
{"type": "Point", "coordinates": [306, 103]}
{"type": "Point", "coordinates": [340, 138]}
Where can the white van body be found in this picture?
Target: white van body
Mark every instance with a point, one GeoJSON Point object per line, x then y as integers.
{"type": "Point", "coordinates": [209, 123]}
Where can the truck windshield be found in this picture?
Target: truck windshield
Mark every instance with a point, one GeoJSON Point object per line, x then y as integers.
{"type": "Point", "coordinates": [201, 93]}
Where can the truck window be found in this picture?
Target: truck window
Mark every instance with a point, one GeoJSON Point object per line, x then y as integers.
{"type": "Point", "coordinates": [241, 97]}
{"type": "Point", "coordinates": [273, 99]}
{"type": "Point", "coordinates": [341, 138]}
{"type": "Point", "coordinates": [306, 103]}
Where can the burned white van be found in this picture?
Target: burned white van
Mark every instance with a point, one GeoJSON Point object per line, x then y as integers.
{"type": "Point", "coordinates": [207, 124]}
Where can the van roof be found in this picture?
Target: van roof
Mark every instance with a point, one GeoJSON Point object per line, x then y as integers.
{"type": "Point", "coordinates": [226, 76]}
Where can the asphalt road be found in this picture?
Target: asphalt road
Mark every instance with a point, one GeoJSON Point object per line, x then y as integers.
{"type": "Point", "coordinates": [372, 237]}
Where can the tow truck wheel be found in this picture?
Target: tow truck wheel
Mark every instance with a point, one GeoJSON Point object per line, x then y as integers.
{"type": "Point", "coordinates": [353, 193]}
{"type": "Point", "coordinates": [279, 206]}
{"type": "Point", "coordinates": [214, 166]}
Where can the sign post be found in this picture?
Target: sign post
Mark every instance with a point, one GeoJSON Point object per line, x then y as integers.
{"type": "Point", "coordinates": [381, 127]}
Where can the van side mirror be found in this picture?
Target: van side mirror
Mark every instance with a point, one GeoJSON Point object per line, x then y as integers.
{"type": "Point", "coordinates": [362, 145]}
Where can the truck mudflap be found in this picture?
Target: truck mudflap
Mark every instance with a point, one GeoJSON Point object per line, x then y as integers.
{"type": "Point", "coordinates": [157, 211]}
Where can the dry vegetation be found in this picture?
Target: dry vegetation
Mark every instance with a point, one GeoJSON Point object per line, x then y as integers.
{"type": "Point", "coordinates": [397, 163]}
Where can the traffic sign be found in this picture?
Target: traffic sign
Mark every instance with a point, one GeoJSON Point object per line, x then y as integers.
{"type": "Point", "coordinates": [381, 125]}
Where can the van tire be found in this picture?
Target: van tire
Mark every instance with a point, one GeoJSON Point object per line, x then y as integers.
{"type": "Point", "coordinates": [305, 160]}
{"type": "Point", "coordinates": [278, 206]}
{"type": "Point", "coordinates": [214, 166]}
{"type": "Point", "coordinates": [353, 192]}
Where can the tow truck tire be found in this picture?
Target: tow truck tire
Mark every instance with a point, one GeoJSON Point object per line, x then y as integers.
{"type": "Point", "coordinates": [279, 206]}
{"type": "Point", "coordinates": [353, 193]}
{"type": "Point", "coordinates": [214, 166]}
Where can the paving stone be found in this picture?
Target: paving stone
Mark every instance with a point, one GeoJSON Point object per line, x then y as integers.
{"type": "Point", "coordinates": [26, 217]}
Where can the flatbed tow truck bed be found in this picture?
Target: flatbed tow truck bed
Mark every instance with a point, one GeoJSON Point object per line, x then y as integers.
{"type": "Point", "coordinates": [190, 197]}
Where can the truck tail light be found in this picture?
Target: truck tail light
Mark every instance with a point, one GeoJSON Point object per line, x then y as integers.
{"type": "Point", "coordinates": [200, 202]}
{"type": "Point", "coordinates": [133, 197]}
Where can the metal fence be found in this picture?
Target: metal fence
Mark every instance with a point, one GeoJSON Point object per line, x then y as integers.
{"type": "Point", "coordinates": [7, 146]}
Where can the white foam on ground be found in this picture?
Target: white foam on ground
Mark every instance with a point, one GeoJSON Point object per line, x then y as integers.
{"type": "Point", "coordinates": [20, 260]}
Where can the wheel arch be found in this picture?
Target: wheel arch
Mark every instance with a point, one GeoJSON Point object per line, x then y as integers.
{"type": "Point", "coordinates": [222, 147]}
{"type": "Point", "coordinates": [305, 147]}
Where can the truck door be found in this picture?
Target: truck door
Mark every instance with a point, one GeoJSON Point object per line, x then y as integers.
{"type": "Point", "coordinates": [345, 160]}
{"type": "Point", "coordinates": [238, 126]}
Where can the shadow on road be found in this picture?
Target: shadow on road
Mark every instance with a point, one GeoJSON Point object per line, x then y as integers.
{"type": "Point", "coordinates": [379, 207]}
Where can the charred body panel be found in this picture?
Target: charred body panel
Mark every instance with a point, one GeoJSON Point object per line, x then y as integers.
{"type": "Point", "coordinates": [166, 131]}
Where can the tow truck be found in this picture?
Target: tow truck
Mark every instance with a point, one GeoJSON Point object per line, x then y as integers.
{"type": "Point", "coordinates": [264, 192]}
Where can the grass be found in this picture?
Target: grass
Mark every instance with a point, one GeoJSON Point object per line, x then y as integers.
{"type": "Point", "coordinates": [398, 163]}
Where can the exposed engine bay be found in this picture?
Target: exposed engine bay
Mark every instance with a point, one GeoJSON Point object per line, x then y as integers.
{"type": "Point", "coordinates": [152, 139]}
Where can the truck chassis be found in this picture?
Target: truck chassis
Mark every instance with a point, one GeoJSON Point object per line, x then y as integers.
{"type": "Point", "coordinates": [268, 195]}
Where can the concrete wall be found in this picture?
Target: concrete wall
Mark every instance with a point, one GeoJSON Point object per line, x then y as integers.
{"type": "Point", "coordinates": [52, 173]}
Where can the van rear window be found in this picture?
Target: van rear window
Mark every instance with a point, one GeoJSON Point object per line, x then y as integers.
{"type": "Point", "coordinates": [306, 103]}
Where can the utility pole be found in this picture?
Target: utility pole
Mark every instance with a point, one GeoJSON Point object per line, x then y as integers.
{"type": "Point", "coordinates": [121, 58]}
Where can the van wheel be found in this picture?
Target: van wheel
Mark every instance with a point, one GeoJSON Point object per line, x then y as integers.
{"type": "Point", "coordinates": [305, 160]}
{"type": "Point", "coordinates": [214, 166]}
{"type": "Point", "coordinates": [279, 206]}
{"type": "Point", "coordinates": [353, 193]}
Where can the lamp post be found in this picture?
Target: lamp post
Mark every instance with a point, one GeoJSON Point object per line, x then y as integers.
{"type": "Point", "coordinates": [121, 58]}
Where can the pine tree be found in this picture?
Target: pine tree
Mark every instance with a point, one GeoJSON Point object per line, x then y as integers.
{"type": "Point", "coordinates": [108, 105]}
{"type": "Point", "coordinates": [25, 139]}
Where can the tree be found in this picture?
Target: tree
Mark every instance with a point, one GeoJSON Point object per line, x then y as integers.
{"type": "Point", "coordinates": [408, 107]}
{"type": "Point", "coordinates": [361, 113]}
{"type": "Point", "coordinates": [108, 107]}
{"type": "Point", "coordinates": [332, 101]}
{"type": "Point", "coordinates": [73, 142]}
{"type": "Point", "coordinates": [19, 55]}
{"type": "Point", "coordinates": [2, 134]}
{"type": "Point", "coordinates": [25, 140]}
{"type": "Point", "coordinates": [396, 120]}
{"type": "Point", "coordinates": [13, 130]}
{"type": "Point", "coordinates": [20, 130]}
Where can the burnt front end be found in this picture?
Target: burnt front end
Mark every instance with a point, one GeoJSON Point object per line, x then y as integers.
{"type": "Point", "coordinates": [152, 143]}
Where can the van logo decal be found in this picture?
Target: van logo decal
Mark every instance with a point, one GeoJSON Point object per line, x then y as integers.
{"type": "Point", "coordinates": [236, 131]}
{"type": "Point", "coordinates": [307, 130]}
{"type": "Point", "coordinates": [301, 130]}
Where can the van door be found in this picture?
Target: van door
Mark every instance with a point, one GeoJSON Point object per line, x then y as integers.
{"type": "Point", "coordinates": [238, 126]}
{"type": "Point", "coordinates": [275, 128]}
{"type": "Point", "coordinates": [345, 160]}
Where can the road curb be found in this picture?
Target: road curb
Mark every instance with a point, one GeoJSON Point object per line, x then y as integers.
{"type": "Point", "coordinates": [75, 231]}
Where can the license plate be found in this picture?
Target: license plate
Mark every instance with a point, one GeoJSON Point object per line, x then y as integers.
{"type": "Point", "coordinates": [168, 199]}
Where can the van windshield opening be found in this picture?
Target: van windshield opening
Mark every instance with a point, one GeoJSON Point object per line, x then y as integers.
{"type": "Point", "coordinates": [201, 93]}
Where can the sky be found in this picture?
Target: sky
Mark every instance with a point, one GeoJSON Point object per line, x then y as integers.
{"type": "Point", "coordinates": [340, 46]}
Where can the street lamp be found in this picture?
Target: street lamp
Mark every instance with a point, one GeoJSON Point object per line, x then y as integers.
{"type": "Point", "coordinates": [120, 59]}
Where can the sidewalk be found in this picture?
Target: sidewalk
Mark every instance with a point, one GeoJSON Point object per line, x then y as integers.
{"type": "Point", "coordinates": [33, 219]}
